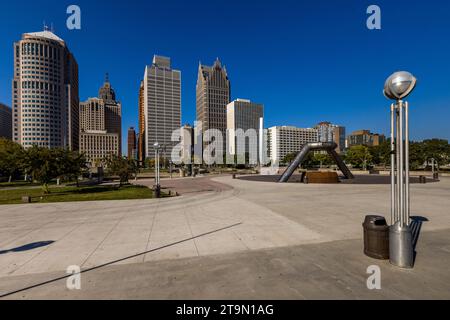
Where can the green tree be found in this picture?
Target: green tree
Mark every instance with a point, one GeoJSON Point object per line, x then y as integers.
{"type": "Point", "coordinates": [289, 158]}
{"type": "Point", "coordinates": [70, 164]}
{"type": "Point", "coordinates": [310, 161]}
{"type": "Point", "coordinates": [417, 156]}
{"type": "Point", "coordinates": [323, 159]}
{"type": "Point", "coordinates": [122, 167]}
{"type": "Point", "coordinates": [381, 154]}
{"type": "Point", "coordinates": [11, 158]}
{"type": "Point", "coordinates": [437, 149]}
{"type": "Point", "coordinates": [359, 157]}
{"type": "Point", "coordinates": [42, 165]}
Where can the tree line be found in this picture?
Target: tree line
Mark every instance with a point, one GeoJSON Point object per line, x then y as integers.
{"type": "Point", "coordinates": [43, 165]}
{"type": "Point", "coordinates": [40, 164]}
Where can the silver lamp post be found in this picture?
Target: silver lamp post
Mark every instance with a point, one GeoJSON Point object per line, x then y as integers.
{"type": "Point", "coordinates": [397, 87]}
{"type": "Point", "coordinates": [157, 187]}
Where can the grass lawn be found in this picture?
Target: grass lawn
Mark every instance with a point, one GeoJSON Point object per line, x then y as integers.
{"type": "Point", "coordinates": [17, 184]}
{"type": "Point", "coordinates": [73, 194]}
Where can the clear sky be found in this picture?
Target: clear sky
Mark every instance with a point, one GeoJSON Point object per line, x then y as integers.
{"type": "Point", "coordinates": [306, 61]}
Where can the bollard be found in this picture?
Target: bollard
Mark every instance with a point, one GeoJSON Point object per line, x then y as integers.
{"type": "Point", "coordinates": [157, 191]}
{"type": "Point", "coordinates": [401, 250]}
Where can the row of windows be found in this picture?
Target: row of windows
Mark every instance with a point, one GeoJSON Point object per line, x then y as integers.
{"type": "Point", "coordinates": [41, 50]}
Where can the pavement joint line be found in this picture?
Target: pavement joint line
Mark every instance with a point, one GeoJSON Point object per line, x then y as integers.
{"type": "Point", "coordinates": [190, 229]}
{"type": "Point", "coordinates": [63, 237]}
{"type": "Point", "coordinates": [104, 239]}
{"type": "Point", "coordinates": [151, 230]}
{"type": "Point", "coordinates": [117, 261]}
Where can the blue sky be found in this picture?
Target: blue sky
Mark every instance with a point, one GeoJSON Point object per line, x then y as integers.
{"type": "Point", "coordinates": [307, 61]}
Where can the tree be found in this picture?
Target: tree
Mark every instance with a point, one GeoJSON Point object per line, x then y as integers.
{"type": "Point", "coordinates": [309, 161]}
{"type": "Point", "coordinates": [70, 164]}
{"type": "Point", "coordinates": [381, 154]}
{"type": "Point", "coordinates": [437, 149]}
{"type": "Point", "coordinates": [323, 159]}
{"type": "Point", "coordinates": [289, 158]}
{"type": "Point", "coordinates": [359, 156]}
{"type": "Point", "coordinates": [416, 155]}
{"type": "Point", "coordinates": [11, 158]}
{"type": "Point", "coordinates": [122, 167]}
{"type": "Point", "coordinates": [41, 164]}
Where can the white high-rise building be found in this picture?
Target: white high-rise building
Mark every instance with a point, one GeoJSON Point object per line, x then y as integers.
{"type": "Point", "coordinates": [285, 140]}
{"type": "Point", "coordinates": [244, 119]}
{"type": "Point", "coordinates": [45, 92]}
{"type": "Point", "coordinates": [162, 104]}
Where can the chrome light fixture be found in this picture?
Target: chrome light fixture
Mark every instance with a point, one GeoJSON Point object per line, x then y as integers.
{"type": "Point", "coordinates": [397, 87]}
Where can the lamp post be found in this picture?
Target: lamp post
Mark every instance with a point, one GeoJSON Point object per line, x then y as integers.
{"type": "Point", "coordinates": [397, 87]}
{"type": "Point", "coordinates": [157, 187]}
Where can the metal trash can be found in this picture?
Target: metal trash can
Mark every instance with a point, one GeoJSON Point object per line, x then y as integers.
{"type": "Point", "coordinates": [436, 176]}
{"type": "Point", "coordinates": [376, 237]}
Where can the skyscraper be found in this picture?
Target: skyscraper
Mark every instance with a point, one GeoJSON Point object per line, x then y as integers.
{"type": "Point", "coordinates": [285, 140]}
{"type": "Point", "coordinates": [113, 110]}
{"type": "Point", "coordinates": [45, 92]}
{"type": "Point", "coordinates": [162, 104]}
{"type": "Point", "coordinates": [329, 132]}
{"type": "Point", "coordinates": [5, 121]}
{"type": "Point", "coordinates": [132, 153]}
{"type": "Point", "coordinates": [100, 126]}
{"type": "Point", "coordinates": [244, 115]}
{"type": "Point", "coordinates": [141, 136]}
{"type": "Point", "coordinates": [213, 95]}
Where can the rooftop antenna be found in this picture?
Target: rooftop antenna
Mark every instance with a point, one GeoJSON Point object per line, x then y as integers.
{"type": "Point", "coordinates": [51, 28]}
{"type": "Point", "coordinates": [45, 26]}
{"type": "Point", "coordinates": [107, 77]}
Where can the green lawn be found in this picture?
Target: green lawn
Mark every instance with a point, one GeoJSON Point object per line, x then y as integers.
{"type": "Point", "coordinates": [73, 194]}
{"type": "Point", "coordinates": [17, 184]}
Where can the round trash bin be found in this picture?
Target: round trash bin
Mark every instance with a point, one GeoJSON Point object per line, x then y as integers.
{"type": "Point", "coordinates": [376, 237]}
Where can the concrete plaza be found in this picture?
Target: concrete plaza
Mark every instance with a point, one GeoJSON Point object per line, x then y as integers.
{"type": "Point", "coordinates": [222, 238]}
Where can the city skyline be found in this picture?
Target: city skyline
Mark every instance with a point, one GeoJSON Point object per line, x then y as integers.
{"type": "Point", "coordinates": [253, 66]}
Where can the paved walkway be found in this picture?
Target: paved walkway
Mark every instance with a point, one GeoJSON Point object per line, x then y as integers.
{"type": "Point", "coordinates": [215, 221]}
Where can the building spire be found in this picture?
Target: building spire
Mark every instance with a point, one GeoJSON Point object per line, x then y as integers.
{"type": "Point", "coordinates": [107, 77]}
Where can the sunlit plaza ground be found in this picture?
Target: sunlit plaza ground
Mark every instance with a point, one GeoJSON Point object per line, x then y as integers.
{"type": "Point", "coordinates": [223, 238]}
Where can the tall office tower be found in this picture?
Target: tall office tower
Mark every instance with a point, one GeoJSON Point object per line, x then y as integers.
{"type": "Point", "coordinates": [5, 122]}
{"type": "Point", "coordinates": [100, 126]}
{"type": "Point", "coordinates": [113, 110]}
{"type": "Point", "coordinates": [286, 140]}
{"type": "Point", "coordinates": [132, 152]}
{"type": "Point", "coordinates": [365, 138]}
{"type": "Point", "coordinates": [141, 136]}
{"type": "Point", "coordinates": [244, 115]}
{"type": "Point", "coordinates": [162, 104]}
{"type": "Point", "coordinates": [329, 132]}
{"type": "Point", "coordinates": [45, 92]}
{"type": "Point", "coordinates": [213, 96]}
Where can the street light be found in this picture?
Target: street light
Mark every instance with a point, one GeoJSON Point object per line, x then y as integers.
{"type": "Point", "coordinates": [157, 188]}
{"type": "Point", "coordinates": [397, 87]}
